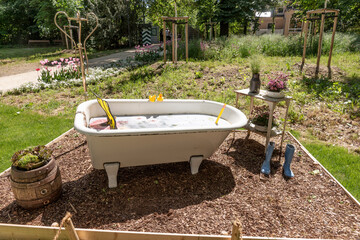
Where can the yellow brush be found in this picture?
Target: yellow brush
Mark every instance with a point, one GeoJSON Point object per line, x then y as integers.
{"type": "Point", "coordinates": [221, 112]}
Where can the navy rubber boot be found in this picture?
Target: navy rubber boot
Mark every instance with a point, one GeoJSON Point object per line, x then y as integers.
{"type": "Point", "coordinates": [265, 168]}
{"type": "Point", "coordinates": [289, 153]}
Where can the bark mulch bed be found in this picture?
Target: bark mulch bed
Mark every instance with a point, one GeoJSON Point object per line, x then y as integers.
{"type": "Point", "coordinates": [167, 198]}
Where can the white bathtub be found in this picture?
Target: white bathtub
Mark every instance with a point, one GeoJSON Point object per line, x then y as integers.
{"type": "Point", "coordinates": [111, 149]}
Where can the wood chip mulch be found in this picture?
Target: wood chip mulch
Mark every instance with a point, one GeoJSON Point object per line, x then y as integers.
{"type": "Point", "coordinates": [167, 198]}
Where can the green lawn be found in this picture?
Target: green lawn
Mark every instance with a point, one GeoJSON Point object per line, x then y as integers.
{"type": "Point", "coordinates": [34, 54]}
{"type": "Point", "coordinates": [344, 166]}
{"type": "Point", "coordinates": [22, 128]}
{"type": "Point", "coordinates": [27, 53]}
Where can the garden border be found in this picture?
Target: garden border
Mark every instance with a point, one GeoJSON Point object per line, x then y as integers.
{"type": "Point", "coordinates": [17, 231]}
{"type": "Point", "coordinates": [317, 162]}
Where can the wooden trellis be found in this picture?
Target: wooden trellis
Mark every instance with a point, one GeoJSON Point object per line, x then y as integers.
{"type": "Point", "coordinates": [69, 28]}
{"type": "Point", "coordinates": [176, 21]}
{"type": "Point", "coordinates": [309, 17]}
{"type": "Point", "coordinates": [80, 46]}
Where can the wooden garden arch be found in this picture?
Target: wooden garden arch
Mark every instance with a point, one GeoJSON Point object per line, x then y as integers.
{"type": "Point", "coordinates": [308, 18]}
{"type": "Point", "coordinates": [176, 21]}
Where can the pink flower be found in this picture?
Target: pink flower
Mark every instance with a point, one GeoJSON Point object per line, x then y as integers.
{"type": "Point", "coordinates": [61, 59]}
{"type": "Point", "coordinates": [52, 63]}
{"type": "Point", "coordinates": [42, 63]}
{"type": "Point", "coordinates": [66, 60]}
{"type": "Point", "coordinates": [70, 58]}
{"type": "Point", "coordinates": [55, 62]}
{"type": "Point", "coordinates": [46, 60]}
{"type": "Point", "coordinates": [59, 63]}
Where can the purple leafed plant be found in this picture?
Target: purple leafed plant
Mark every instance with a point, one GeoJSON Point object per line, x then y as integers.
{"type": "Point", "coordinates": [277, 82]}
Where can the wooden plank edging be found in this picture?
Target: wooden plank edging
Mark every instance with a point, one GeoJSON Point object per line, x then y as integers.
{"type": "Point", "coordinates": [15, 231]}
{"type": "Point", "coordinates": [51, 142]}
{"type": "Point", "coordinates": [324, 169]}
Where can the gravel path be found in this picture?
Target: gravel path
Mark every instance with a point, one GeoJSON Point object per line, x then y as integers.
{"type": "Point", "coordinates": [15, 81]}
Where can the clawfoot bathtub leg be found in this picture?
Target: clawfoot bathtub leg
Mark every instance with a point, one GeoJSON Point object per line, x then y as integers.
{"type": "Point", "coordinates": [112, 171]}
{"type": "Point", "coordinates": [195, 162]}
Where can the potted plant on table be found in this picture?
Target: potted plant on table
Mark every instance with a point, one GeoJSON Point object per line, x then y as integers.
{"type": "Point", "coordinates": [35, 178]}
{"type": "Point", "coordinates": [276, 85]}
{"type": "Point", "coordinates": [261, 119]}
{"type": "Point", "coordinates": [255, 82]}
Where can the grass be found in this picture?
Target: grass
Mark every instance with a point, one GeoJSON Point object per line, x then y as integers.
{"type": "Point", "coordinates": [33, 54]}
{"type": "Point", "coordinates": [344, 166]}
{"type": "Point", "coordinates": [16, 133]}
{"type": "Point", "coordinates": [27, 53]}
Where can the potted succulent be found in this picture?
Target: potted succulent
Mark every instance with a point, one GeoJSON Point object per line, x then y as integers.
{"type": "Point", "coordinates": [35, 178]}
{"type": "Point", "coordinates": [261, 118]}
{"type": "Point", "coordinates": [276, 85]}
{"type": "Point", "coordinates": [255, 82]}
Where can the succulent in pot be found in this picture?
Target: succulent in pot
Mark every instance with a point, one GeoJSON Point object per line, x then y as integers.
{"type": "Point", "coordinates": [31, 158]}
{"type": "Point", "coordinates": [35, 178]}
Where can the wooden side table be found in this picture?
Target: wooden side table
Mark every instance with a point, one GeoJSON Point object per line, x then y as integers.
{"type": "Point", "coordinates": [272, 104]}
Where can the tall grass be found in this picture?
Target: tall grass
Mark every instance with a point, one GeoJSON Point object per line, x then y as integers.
{"type": "Point", "coordinates": [269, 45]}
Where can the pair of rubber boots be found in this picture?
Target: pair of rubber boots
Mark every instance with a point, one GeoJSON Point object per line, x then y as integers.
{"type": "Point", "coordinates": [289, 153]}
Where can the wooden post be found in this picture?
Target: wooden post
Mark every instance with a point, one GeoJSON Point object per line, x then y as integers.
{"type": "Point", "coordinates": [81, 54]}
{"type": "Point", "coordinates": [71, 35]}
{"type": "Point", "coordinates": [70, 229]}
{"type": "Point", "coordinates": [320, 43]}
{"type": "Point", "coordinates": [164, 40]}
{"type": "Point", "coordinates": [176, 38]}
{"type": "Point", "coordinates": [172, 42]}
{"type": "Point", "coordinates": [283, 132]}
{"type": "Point", "coordinates": [187, 40]}
{"type": "Point", "coordinates": [288, 15]}
{"type": "Point", "coordinates": [332, 40]}
{"type": "Point", "coordinates": [236, 233]}
{"type": "Point", "coordinates": [305, 39]}
{"type": "Point", "coordinates": [66, 39]}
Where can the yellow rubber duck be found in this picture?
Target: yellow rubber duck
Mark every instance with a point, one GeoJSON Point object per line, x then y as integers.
{"type": "Point", "coordinates": [152, 98]}
{"type": "Point", "coordinates": [160, 98]}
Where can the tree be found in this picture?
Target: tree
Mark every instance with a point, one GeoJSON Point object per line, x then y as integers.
{"type": "Point", "coordinates": [349, 10]}
{"type": "Point", "coordinates": [118, 20]}
{"type": "Point", "coordinates": [242, 11]}
{"type": "Point", "coordinates": [17, 21]}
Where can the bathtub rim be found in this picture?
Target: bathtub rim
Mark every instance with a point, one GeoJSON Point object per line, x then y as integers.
{"type": "Point", "coordinates": [80, 119]}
